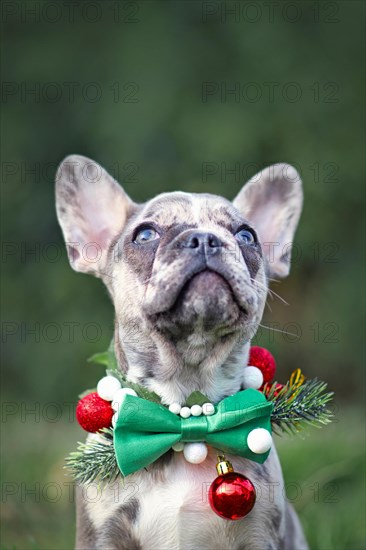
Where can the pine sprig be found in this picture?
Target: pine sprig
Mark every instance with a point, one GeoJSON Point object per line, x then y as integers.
{"type": "Point", "coordinates": [295, 406]}
{"type": "Point", "coordinates": [94, 459]}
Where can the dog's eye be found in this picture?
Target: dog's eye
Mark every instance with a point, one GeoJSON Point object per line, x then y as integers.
{"type": "Point", "coordinates": [146, 235]}
{"type": "Point", "coordinates": [245, 236]}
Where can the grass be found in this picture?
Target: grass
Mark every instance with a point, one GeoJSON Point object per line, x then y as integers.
{"type": "Point", "coordinates": [328, 469]}
{"type": "Point", "coordinates": [324, 477]}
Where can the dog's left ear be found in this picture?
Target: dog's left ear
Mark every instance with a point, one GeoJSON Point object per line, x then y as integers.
{"type": "Point", "coordinates": [272, 202]}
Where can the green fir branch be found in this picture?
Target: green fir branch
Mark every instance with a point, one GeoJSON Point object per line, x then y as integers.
{"type": "Point", "coordinates": [294, 407]}
{"type": "Point", "coordinates": [94, 460]}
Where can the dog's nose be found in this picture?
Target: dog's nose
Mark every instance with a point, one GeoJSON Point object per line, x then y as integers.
{"type": "Point", "coordinates": [202, 242]}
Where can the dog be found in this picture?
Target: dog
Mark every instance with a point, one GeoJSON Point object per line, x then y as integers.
{"type": "Point", "coordinates": [188, 275]}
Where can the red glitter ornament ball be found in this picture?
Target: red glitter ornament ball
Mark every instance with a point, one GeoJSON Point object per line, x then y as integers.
{"type": "Point", "coordinates": [264, 361]}
{"type": "Point", "coordinates": [232, 496]}
{"type": "Point", "coordinates": [93, 413]}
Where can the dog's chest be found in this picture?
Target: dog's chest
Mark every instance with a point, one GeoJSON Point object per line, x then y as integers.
{"type": "Point", "coordinates": [168, 508]}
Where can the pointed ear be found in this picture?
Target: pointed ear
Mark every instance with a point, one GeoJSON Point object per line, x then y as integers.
{"type": "Point", "coordinates": [92, 209]}
{"type": "Point", "coordinates": [272, 202]}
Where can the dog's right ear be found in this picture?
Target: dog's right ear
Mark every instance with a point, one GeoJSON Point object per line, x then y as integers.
{"type": "Point", "coordinates": [92, 209]}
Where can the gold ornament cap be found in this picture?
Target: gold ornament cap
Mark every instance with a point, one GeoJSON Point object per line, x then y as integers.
{"type": "Point", "coordinates": [223, 466]}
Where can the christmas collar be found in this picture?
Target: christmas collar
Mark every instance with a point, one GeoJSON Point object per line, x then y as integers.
{"type": "Point", "coordinates": [134, 428]}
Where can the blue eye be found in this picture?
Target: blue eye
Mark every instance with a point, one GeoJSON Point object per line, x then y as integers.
{"type": "Point", "coordinates": [245, 236]}
{"type": "Point", "coordinates": [146, 235]}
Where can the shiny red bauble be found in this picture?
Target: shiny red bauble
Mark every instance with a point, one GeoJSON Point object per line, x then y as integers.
{"type": "Point", "coordinates": [232, 496]}
{"type": "Point", "coordinates": [93, 413]}
{"type": "Point", "coordinates": [264, 361]}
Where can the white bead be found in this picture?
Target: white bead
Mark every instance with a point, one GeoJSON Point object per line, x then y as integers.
{"type": "Point", "coordinates": [253, 378]}
{"type": "Point", "coordinates": [178, 447]}
{"type": "Point", "coordinates": [107, 387]}
{"type": "Point", "coordinates": [208, 409]}
{"type": "Point", "coordinates": [195, 453]}
{"type": "Point", "coordinates": [185, 412]}
{"type": "Point", "coordinates": [119, 396]}
{"type": "Point", "coordinates": [114, 419]}
{"type": "Point", "coordinates": [259, 441]}
{"type": "Point", "coordinates": [196, 410]}
{"type": "Point", "coordinates": [175, 408]}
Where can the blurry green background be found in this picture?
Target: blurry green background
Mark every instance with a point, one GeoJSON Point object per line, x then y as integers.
{"type": "Point", "coordinates": [125, 83]}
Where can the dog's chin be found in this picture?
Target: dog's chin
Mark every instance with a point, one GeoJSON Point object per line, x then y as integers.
{"type": "Point", "coordinates": [205, 303]}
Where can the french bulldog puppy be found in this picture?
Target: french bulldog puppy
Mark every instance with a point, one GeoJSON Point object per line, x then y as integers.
{"type": "Point", "coordinates": [188, 275]}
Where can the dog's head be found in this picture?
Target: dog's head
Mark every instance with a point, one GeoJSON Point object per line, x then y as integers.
{"type": "Point", "coordinates": [187, 272]}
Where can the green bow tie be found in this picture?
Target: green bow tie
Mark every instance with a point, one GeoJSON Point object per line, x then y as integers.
{"type": "Point", "coordinates": [145, 430]}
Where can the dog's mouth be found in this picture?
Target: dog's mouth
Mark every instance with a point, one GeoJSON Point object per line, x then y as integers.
{"type": "Point", "coordinates": [208, 283]}
{"type": "Point", "coordinates": [205, 286]}
{"type": "Point", "coordinates": [205, 303]}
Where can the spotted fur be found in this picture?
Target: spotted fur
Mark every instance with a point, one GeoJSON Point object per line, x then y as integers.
{"type": "Point", "coordinates": [187, 304]}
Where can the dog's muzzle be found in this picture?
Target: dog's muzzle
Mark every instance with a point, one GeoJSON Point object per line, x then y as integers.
{"type": "Point", "coordinates": [189, 254]}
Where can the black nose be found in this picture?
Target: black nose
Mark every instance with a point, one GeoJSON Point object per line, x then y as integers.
{"type": "Point", "coordinates": [203, 242]}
